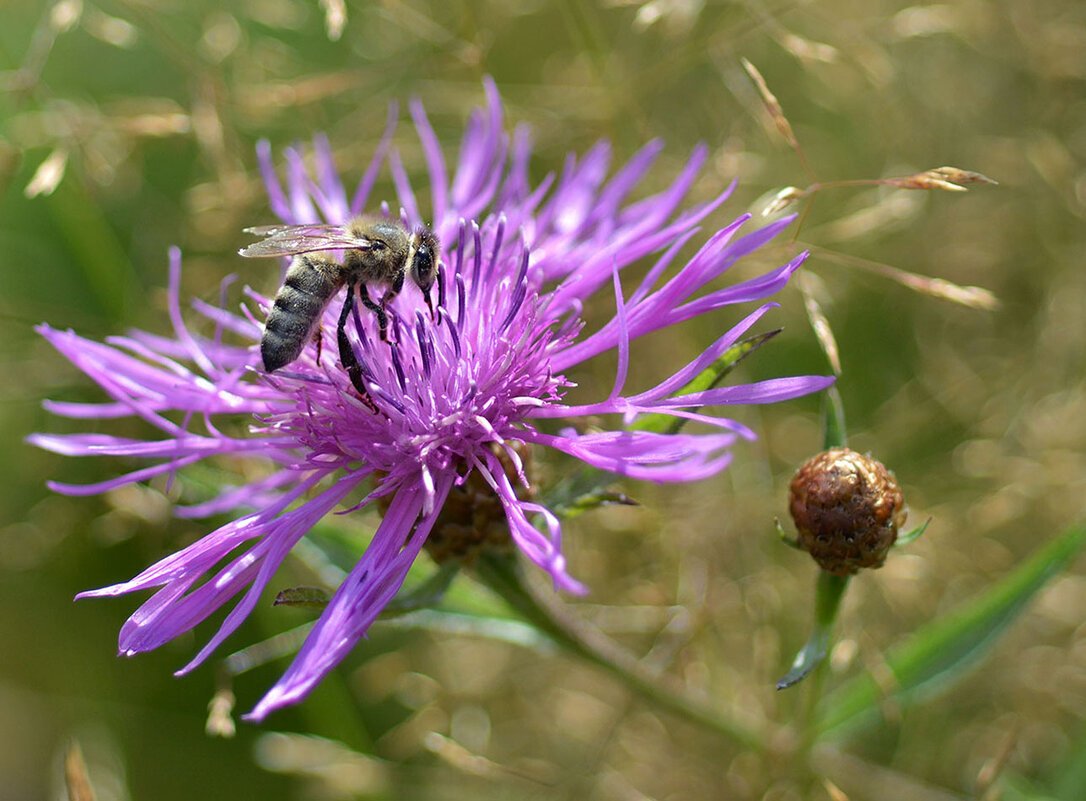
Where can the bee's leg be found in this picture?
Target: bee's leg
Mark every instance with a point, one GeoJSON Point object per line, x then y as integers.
{"type": "Point", "coordinates": [397, 285]}
{"type": "Point", "coordinates": [318, 340]}
{"type": "Point", "coordinates": [346, 352]}
{"type": "Point", "coordinates": [376, 308]}
{"type": "Point", "coordinates": [390, 293]}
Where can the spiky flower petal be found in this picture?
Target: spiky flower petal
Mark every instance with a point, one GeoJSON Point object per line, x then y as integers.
{"type": "Point", "coordinates": [455, 395]}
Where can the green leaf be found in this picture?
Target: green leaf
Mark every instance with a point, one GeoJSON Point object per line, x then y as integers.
{"type": "Point", "coordinates": [585, 488]}
{"type": "Point", "coordinates": [429, 592]}
{"type": "Point", "coordinates": [504, 630]}
{"type": "Point", "coordinates": [253, 656]}
{"type": "Point", "coordinates": [594, 500]}
{"type": "Point", "coordinates": [574, 484]}
{"type": "Point", "coordinates": [791, 542]}
{"type": "Point", "coordinates": [942, 651]}
{"type": "Point", "coordinates": [828, 594]}
{"type": "Point", "coordinates": [912, 536]}
{"type": "Point", "coordinates": [469, 596]}
{"type": "Point", "coordinates": [582, 490]}
{"type": "Point", "coordinates": [708, 378]}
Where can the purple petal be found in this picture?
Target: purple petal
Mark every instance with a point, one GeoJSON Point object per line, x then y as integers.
{"type": "Point", "coordinates": [544, 551]}
{"type": "Point", "coordinates": [403, 187]}
{"type": "Point", "coordinates": [441, 397]}
{"type": "Point", "coordinates": [331, 187]}
{"type": "Point", "coordinates": [435, 161]}
{"type": "Point", "coordinates": [694, 368]}
{"type": "Point", "coordinates": [368, 588]}
{"type": "Point", "coordinates": [298, 187]}
{"type": "Point", "coordinates": [623, 340]}
{"type": "Point", "coordinates": [276, 199]}
{"type": "Point", "coordinates": [646, 455]}
{"type": "Point", "coordinates": [276, 543]}
{"type": "Point", "coordinates": [771, 391]}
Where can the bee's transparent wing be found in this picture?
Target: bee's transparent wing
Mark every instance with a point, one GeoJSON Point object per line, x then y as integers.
{"type": "Point", "coordinates": [286, 240]}
{"type": "Point", "coordinates": [279, 228]}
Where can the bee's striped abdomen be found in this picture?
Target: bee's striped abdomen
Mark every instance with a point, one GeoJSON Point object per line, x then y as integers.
{"type": "Point", "coordinates": [309, 285]}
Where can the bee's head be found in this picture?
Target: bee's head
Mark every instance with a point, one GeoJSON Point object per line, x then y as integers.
{"type": "Point", "coordinates": [424, 264]}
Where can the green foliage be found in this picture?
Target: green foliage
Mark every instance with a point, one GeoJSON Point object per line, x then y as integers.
{"type": "Point", "coordinates": [159, 106]}
{"type": "Point", "coordinates": [939, 654]}
{"type": "Point", "coordinates": [828, 595]}
{"type": "Point", "coordinates": [709, 378]}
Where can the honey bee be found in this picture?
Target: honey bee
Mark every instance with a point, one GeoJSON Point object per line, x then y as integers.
{"type": "Point", "coordinates": [376, 251]}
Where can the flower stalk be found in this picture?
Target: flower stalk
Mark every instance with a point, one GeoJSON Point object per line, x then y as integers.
{"type": "Point", "coordinates": [502, 573]}
{"type": "Point", "coordinates": [451, 401]}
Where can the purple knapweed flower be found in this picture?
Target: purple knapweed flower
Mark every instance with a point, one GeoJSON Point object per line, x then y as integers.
{"type": "Point", "coordinates": [456, 395]}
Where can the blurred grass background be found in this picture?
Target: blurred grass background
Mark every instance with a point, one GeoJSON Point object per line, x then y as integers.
{"type": "Point", "coordinates": [154, 107]}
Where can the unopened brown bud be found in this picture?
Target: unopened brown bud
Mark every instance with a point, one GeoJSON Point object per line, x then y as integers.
{"type": "Point", "coordinates": [847, 508]}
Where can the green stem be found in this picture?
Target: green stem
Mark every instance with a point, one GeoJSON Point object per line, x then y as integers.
{"type": "Point", "coordinates": [501, 573]}
{"type": "Point", "coordinates": [835, 436]}
{"type": "Point", "coordinates": [828, 594]}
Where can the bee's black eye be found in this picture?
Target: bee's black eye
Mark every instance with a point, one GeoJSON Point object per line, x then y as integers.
{"type": "Point", "coordinates": [424, 259]}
